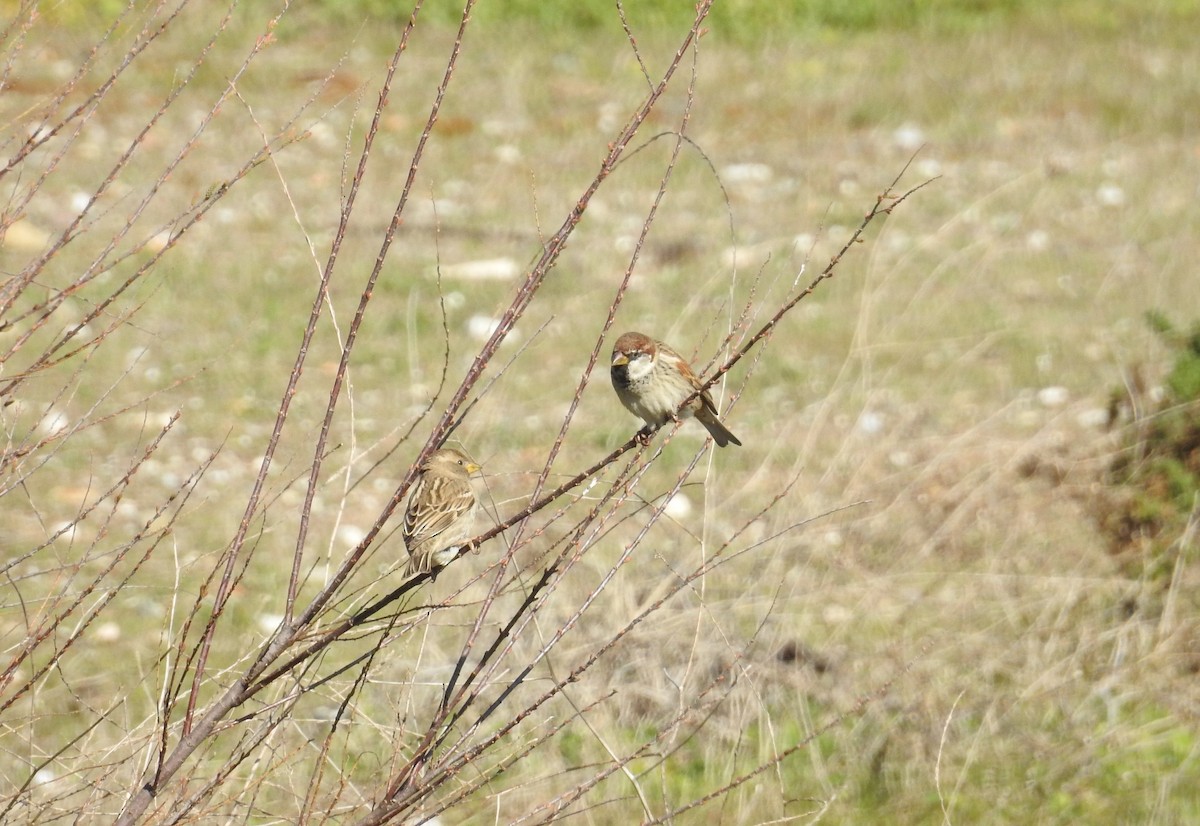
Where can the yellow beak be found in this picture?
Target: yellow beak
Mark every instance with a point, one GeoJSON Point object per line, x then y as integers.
{"type": "Point", "coordinates": [472, 467]}
{"type": "Point", "coordinates": [620, 360]}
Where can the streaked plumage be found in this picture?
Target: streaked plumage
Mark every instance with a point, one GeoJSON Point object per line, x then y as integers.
{"type": "Point", "coordinates": [652, 380]}
{"type": "Point", "coordinates": [441, 510]}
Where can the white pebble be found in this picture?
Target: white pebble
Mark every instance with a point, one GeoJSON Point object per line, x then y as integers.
{"type": "Point", "coordinates": [870, 422]}
{"type": "Point", "coordinates": [507, 153]}
{"type": "Point", "coordinates": [108, 632]}
{"type": "Point", "coordinates": [909, 137]}
{"type": "Point", "coordinates": [1110, 195]}
{"type": "Point", "coordinates": [269, 623]}
{"type": "Point", "coordinates": [1096, 417]}
{"type": "Point", "coordinates": [679, 507]}
{"type": "Point", "coordinates": [837, 614]}
{"type": "Point", "coordinates": [350, 535]}
{"type": "Point", "coordinates": [1055, 396]}
{"type": "Point", "coordinates": [802, 244]}
{"type": "Point", "coordinates": [54, 421]}
{"type": "Point", "coordinates": [128, 510]}
{"type": "Point", "coordinates": [24, 235]}
{"type": "Point", "coordinates": [157, 242]}
{"type": "Point", "coordinates": [929, 167]}
{"type": "Point", "coordinates": [324, 135]}
{"type": "Point", "coordinates": [481, 327]}
{"type": "Point", "coordinates": [485, 269]}
{"type": "Point", "coordinates": [747, 173]}
{"type": "Point", "coordinates": [1038, 240]}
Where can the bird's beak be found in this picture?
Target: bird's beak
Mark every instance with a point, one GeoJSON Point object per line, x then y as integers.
{"type": "Point", "coordinates": [472, 467]}
{"type": "Point", "coordinates": [620, 360]}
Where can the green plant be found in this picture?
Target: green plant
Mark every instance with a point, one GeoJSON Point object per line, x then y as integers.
{"type": "Point", "coordinates": [1159, 465]}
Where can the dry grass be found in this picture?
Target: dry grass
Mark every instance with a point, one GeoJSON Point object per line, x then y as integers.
{"type": "Point", "coordinates": [928, 624]}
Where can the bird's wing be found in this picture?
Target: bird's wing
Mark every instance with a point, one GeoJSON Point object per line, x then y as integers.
{"type": "Point", "coordinates": [690, 375]}
{"type": "Point", "coordinates": [436, 503]}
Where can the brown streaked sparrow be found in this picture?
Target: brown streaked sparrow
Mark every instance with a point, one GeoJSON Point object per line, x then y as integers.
{"type": "Point", "coordinates": [652, 380]}
{"type": "Point", "coordinates": [440, 515]}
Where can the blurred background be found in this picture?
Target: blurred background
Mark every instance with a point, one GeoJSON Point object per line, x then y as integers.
{"type": "Point", "coordinates": [976, 600]}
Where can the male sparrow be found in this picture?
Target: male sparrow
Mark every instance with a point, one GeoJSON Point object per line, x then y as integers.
{"type": "Point", "coordinates": [652, 380]}
{"type": "Point", "coordinates": [441, 510]}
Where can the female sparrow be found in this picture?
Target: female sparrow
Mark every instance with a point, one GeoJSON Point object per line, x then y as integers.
{"type": "Point", "coordinates": [652, 380]}
{"type": "Point", "coordinates": [441, 510]}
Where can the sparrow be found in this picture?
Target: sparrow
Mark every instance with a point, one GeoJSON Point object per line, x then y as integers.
{"type": "Point", "coordinates": [652, 380]}
{"type": "Point", "coordinates": [440, 515]}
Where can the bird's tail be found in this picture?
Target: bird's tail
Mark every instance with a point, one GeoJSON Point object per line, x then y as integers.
{"type": "Point", "coordinates": [720, 433]}
{"type": "Point", "coordinates": [417, 564]}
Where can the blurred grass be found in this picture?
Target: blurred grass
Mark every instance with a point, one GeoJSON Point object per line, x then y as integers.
{"type": "Point", "coordinates": [1045, 684]}
{"type": "Point", "coordinates": [745, 21]}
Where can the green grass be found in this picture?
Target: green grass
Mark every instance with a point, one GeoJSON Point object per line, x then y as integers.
{"type": "Point", "coordinates": [748, 22]}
